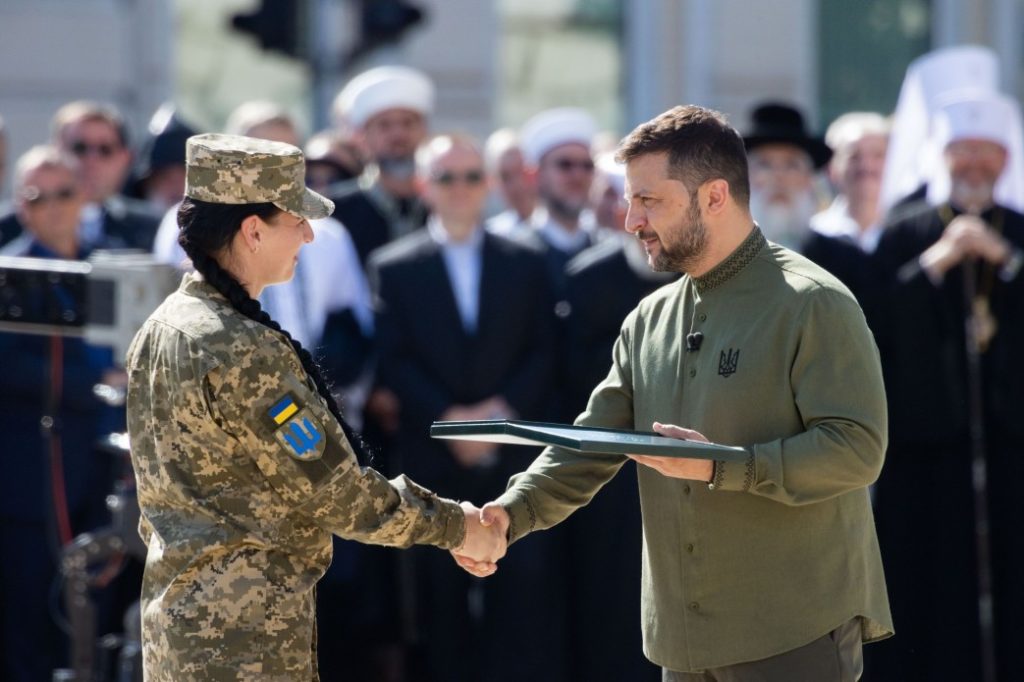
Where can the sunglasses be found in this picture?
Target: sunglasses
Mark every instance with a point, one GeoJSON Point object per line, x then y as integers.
{"type": "Point", "coordinates": [104, 149]}
{"type": "Point", "coordinates": [448, 178]}
{"type": "Point", "coordinates": [568, 165]}
{"type": "Point", "coordinates": [33, 197]}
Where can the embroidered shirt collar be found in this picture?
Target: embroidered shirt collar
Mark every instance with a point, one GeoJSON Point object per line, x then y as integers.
{"type": "Point", "coordinates": [736, 261]}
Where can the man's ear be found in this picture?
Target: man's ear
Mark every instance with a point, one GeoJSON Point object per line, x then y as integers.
{"type": "Point", "coordinates": [714, 196]}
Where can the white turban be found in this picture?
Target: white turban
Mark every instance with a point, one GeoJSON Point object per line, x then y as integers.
{"type": "Point", "coordinates": [554, 128]}
{"type": "Point", "coordinates": [383, 88]}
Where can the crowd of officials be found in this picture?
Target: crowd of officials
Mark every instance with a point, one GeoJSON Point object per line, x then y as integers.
{"type": "Point", "coordinates": [459, 279]}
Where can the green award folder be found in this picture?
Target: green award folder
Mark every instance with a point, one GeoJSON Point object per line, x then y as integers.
{"type": "Point", "coordinates": [584, 439]}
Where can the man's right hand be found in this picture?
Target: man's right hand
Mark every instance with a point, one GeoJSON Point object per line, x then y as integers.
{"type": "Point", "coordinates": [486, 539]}
{"type": "Point", "coordinates": [485, 542]}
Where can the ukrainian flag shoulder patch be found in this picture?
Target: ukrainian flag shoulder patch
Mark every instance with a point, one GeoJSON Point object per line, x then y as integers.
{"type": "Point", "coordinates": [283, 409]}
{"type": "Point", "coordinates": [297, 429]}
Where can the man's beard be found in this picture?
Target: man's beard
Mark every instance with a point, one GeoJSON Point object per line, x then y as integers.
{"type": "Point", "coordinates": [785, 224]}
{"type": "Point", "coordinates": [397, 167]}
{"type": "Point", "coordinates": [684, 253]}
{"type": "Point", "coordinates": [972, 196]}
{"type": "Point", "coordinates": [564, 208]}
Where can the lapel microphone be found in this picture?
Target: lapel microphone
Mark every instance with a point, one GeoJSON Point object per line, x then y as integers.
{"type": "Point", "coordinates": [694, 340]}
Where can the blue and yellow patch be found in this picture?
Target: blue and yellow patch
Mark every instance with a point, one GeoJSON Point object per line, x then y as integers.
{"type": "Point", "coordinates": [297, 429]}
{"type": "Point", "coordinates": [283, 409]}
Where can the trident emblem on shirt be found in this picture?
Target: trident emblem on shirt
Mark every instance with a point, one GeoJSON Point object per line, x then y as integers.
{"type": "Point", "coordinates": [727, 362]}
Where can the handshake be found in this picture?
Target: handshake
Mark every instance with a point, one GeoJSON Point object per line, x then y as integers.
{"type": "Point", "coordinates": [486, 539]}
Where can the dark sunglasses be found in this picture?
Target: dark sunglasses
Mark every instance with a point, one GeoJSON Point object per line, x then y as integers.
{"type": "Point", "coordinates": [103, 150]}
{"type": "Point", "coordinates": [567, 165]}
{"type": "Point", "coordinates": [447, 179]}
{"type": "Point", "coordinates": [33, 197]}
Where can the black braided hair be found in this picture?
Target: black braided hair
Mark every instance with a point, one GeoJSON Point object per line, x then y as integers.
{"type": "Point", "coordinates": [206, 228]}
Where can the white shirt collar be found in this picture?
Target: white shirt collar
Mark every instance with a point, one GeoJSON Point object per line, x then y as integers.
{"type": "Point", "coordinates": [837, 223]}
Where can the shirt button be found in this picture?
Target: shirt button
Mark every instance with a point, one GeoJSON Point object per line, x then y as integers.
{"type": "Point", "coordinates": [693, 372]}
{"type": "Point", "coordinates": [694, 606]}
{"type": "Point", "coordinates": [689, 548]}
{"type": "Point", "coordinates": [686, 488]}
{"type": "Point", "coordinates": [703, 317]}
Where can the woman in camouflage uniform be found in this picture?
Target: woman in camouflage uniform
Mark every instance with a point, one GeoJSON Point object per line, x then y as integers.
{"type": "Point", "coordinates": [244, 463]}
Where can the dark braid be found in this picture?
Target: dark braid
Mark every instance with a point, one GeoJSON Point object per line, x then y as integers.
{"type": "Point", "coordinates": [205, 228]}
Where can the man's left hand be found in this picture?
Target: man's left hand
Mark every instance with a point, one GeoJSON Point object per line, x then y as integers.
{"type": "Point", "coordinates": [679, 467]}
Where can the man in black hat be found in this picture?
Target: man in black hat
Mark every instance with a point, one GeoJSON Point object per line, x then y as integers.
{"type": "Point", "coordinates": [783, 158]}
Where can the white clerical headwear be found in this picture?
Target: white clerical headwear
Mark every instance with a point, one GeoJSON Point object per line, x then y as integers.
{"type": "Point", "coordinates": [383, 88]}
{"type": "Point", "coordinates": [982, 116]}
{"type": "Point", "coordinates": [614, 171]}
{"type": "Point", "coordinates": [931, 80]}
{"type": "Point", "coordinates": [553, 128]}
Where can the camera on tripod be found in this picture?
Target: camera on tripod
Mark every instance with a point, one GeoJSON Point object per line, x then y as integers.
{"type": "Point", "coordinates": [103, 300]}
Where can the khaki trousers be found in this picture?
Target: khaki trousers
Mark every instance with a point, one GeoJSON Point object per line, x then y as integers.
{"type": "Point", "coordinates": [835, 657]}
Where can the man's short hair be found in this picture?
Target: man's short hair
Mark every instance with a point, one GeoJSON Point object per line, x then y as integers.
{"type": "Point", "coordinates": [41, 156]}
{"type": "Point", "coordinates": [441, 144]}
{"type": "Point", "coordinates": [85, 110]}
{"type": "Point", "coordinates": [701, 146]}
{"type": "Point", "coordinates": [253, 114]}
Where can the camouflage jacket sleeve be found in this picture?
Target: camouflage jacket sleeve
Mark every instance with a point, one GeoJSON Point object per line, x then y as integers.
{"type": "Point", "coordinates": [265, 401]}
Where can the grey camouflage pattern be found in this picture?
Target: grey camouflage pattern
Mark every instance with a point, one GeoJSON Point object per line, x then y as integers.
{"type": "Point", "coordinates": [233, 169]}
{"type": "Point", "coordinates": [239, 529]}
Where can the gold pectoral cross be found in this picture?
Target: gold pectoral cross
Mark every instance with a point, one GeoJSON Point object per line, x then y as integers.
{"type": "Point", "coordinates": [983, 323]}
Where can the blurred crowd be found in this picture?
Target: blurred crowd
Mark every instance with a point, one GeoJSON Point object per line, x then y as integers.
{"type": "Point", "coordinates": [487, 279]}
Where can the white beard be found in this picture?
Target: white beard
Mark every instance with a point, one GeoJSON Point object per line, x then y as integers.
{"type": "Point", "coordinates": [784, 224]}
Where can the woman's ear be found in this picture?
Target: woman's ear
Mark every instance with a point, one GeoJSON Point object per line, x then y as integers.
{"type": "Point", "coordinates": [250, 230]}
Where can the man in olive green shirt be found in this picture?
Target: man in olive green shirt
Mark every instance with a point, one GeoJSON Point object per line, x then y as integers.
{"type": "Point", "coordinates": [763, 569]}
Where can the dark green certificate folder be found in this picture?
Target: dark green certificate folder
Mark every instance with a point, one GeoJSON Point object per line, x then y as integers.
{"type": "Point", "coordinates": [584, 438]}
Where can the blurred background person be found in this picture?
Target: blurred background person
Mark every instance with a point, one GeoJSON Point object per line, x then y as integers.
{"type": "Point", "coordinates": [388, 109]}
{"type": "Point", "coordinates": [607, 193]}
{"type": "Point", "coordinates": [783, 159]}
{"type": "Point", "coordinates": [506, 170]}
{"type": "Point", "coordinates": [556, 147]}
{"type": "Point", "coordinates": [159, 177]}
{"type": "Point", "coordinates": [53, 484]}
{"type": "Point", "coordinates": [603, 284]}
{"type": "Point", "coordinates": [464, 332]}
{"type": "Point", "coordinates": [844, 235]}
{"type": "Point", "coordinates": [946, 268]}
{"type": "Point", "coordinates": [914, 167]}
{"type": "Point", "coordinates": [333, 162]}
{"type": "Point", "coordinates": [97, 135]}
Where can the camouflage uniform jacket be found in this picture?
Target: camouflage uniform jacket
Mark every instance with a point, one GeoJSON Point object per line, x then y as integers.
{"type": "Point", "coordinates": [243, 474]}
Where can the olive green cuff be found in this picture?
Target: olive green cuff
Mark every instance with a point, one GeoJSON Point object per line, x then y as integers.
{"type": "Point", "coordinates": [522, 517]}
{"type": "Point", "coordinates": [734, 476]}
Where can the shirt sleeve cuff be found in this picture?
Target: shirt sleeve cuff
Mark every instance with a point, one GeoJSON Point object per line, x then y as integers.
{"type": "Point", "coordinates": [522, 517]}
{"type": "Point", "coordinates": [734, 476]}
{"type": "Point", "coordinates": [442, 521]}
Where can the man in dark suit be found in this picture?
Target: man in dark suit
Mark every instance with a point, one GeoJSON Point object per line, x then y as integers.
{"type": "Point", "coordinates": [96, 135]}
{"type": "Point", "coordinates": [464, 332]}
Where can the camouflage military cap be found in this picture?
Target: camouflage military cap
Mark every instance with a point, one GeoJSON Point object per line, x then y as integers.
{"type": "Point", "coordinates": [232, 169]}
